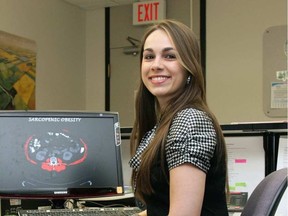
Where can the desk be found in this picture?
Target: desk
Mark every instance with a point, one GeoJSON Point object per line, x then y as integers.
{"type": "Point", "coordinates": [122, 200]}
{"type": "Point", "coordinates": [111, 198]}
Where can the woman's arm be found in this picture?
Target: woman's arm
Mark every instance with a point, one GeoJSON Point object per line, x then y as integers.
{"type": "Point", "coordinates": [187, 186]}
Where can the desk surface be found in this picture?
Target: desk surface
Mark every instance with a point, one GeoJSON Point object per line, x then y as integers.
{"type": "Point", "coordinates": [111, 198]}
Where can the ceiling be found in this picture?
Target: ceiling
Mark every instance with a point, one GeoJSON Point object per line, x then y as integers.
{"type": "Point", "coordinates": [94, 4]}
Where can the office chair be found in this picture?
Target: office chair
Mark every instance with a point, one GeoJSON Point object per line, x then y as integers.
{"type": "Point", "coordinates": [266, 197]}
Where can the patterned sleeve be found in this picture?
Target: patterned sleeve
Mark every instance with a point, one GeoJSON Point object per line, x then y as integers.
{"type": "Point", "coordinates": [191, 139]}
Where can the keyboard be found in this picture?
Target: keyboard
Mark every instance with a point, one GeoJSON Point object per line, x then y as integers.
{"type": "Point", "coordinates": [120, 211]}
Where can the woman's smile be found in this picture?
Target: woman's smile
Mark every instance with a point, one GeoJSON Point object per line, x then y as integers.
{"type": "Point", "coordinates": [162, 73]}
{"type": "Point", "coordinates": [159, 79]}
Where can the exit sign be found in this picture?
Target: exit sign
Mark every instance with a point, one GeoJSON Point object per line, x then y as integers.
{"type": "Point", "coordinates": [148, 12]}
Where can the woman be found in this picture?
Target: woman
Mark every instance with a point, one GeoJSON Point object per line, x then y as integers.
{"type": "Point", "coordinates": [177, 146]}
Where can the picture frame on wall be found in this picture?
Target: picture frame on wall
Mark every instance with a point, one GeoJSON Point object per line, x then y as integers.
{"type": "Point", "coordinates": [17, 72]}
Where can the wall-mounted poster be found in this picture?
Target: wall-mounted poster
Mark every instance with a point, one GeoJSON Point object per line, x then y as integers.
{"type": "Point", "coordinates": [17, 72]}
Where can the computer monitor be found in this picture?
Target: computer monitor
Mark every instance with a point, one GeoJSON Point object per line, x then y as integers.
{"type": "Point", "coordinates": [56, 155]}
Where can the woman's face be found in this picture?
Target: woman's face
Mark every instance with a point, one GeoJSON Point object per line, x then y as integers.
{"type": "Point", "coordinates": [161, 72]}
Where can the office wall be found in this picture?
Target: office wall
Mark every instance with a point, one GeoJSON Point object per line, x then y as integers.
{"type": "Point", "coordinates": [59, 31]}
{"type": "Point", "coordinates": [124, 68]}
{"type": "Point", "coordinates": [70, 57]}
{"type": "Point", "coordinates": [95, 60]}
{"type": "Point", "coordinates": [234, 56]}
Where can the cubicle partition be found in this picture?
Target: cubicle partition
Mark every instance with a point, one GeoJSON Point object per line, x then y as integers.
{"type": "Point", "coordinates": [274, 136]}
{"type": "Point", "coordinates": [255, 149]}
{"type": "Point", "coordinates": [271, 134]}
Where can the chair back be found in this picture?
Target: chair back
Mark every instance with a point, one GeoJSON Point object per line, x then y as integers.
{"type": "Point", "coordinates": [266, 197]}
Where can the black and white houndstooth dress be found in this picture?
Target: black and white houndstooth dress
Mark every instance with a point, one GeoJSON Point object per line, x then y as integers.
{"type": "Point", "coordinates": [191, 139]}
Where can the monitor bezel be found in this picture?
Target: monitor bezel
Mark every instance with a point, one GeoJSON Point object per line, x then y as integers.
{"type": "Point", "coordinates": [67, 193]}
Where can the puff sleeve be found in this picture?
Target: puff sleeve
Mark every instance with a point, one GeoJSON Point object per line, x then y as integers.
{"type": "Point", "coordinates": [191, 139]}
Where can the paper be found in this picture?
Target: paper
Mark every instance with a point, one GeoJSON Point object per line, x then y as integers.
{"type": "Point", "coordinates": [278, 95]}
{"type": "Point", "coordinates": [282, 158]}
{"type": "Point", "coordinates": [246, 163]}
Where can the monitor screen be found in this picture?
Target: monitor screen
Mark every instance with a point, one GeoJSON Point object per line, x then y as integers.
{"type": "Point", "coordinates": [60, 154]}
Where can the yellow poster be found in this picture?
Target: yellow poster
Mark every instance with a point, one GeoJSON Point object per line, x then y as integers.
{"type": "Point", "coordinates": [17, 72]}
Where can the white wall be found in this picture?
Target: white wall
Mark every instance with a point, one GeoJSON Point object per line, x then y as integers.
{"type": "Point", "coordinates": [71, 61]}
{"type": "Point", "coordinates": [59, 31]}
{"type": "Point", "coordinates": [125, 68]}
{"type": "Point", "coordinates": [234, 56]}
{"type": "Point", "coordinates": [95, 60]}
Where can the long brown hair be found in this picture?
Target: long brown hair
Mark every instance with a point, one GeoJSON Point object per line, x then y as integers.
{"type": "Point", "coordinates": [147, 110]}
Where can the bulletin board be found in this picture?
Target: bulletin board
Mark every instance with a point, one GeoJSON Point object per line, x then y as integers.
{"type": "Point", "coordinates": [275, 75]}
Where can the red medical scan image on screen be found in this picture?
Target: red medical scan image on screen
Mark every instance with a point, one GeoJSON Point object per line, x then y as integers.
{"type": "Point", "coordinates": [55, 151]}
